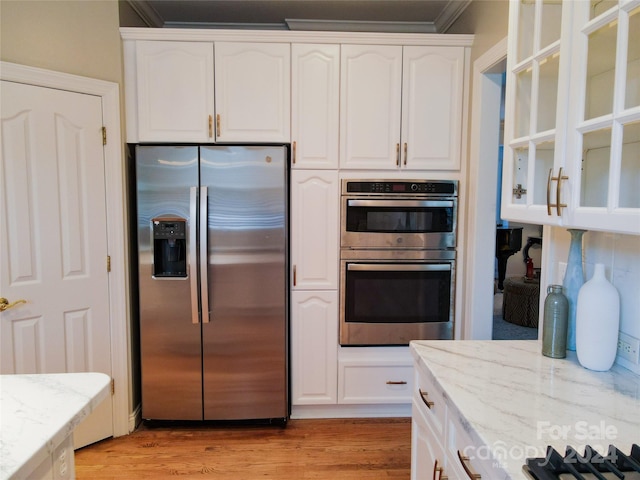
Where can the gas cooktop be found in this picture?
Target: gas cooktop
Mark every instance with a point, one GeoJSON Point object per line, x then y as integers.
{"type": "Point", "coordinates": [590, 464]}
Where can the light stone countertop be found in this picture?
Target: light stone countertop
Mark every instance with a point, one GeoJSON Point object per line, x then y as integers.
{"type": "Point", "coordinates": [516, 401]}
{"type": "Point", "coordinates": [38, 412]}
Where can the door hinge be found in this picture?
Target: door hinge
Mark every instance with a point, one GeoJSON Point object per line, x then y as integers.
{"type": "Point", "coordinates": [104, 135]}
{"type": "Point", "coordinates": [113, 387]}
{"type": "Point", "coordinates": [108, 263]}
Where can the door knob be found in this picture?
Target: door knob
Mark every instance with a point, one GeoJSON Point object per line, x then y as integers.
{"type": "Point", "coordinates": [4, 303]}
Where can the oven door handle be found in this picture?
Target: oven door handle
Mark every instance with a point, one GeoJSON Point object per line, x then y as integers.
{"type": "Point", "coordinates": [399, 267]}
{"type": "Point", "coordinates": [399, 203]}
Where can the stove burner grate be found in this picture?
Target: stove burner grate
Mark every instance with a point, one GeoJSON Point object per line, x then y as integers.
{"type": "Point", "coordinates": [582, 467]}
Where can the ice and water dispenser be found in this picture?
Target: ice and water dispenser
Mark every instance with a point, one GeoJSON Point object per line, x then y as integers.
{"type": "Point", "coordinates": [169, 247]}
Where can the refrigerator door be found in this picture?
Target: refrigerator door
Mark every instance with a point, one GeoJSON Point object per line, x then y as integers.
{"type": "Point", "coordinates": [245, 340]}
{"type": "Point", "coordinates": [170, 329]}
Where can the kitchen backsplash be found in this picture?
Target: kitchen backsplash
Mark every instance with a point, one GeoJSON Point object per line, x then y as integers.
{"type": "Point", "coordinates": [620, 255]}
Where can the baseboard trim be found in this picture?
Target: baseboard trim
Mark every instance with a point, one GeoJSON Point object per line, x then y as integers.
{"type": "Point", "coordinates": [350, 411]}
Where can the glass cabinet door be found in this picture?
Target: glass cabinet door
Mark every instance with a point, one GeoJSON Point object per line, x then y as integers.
{"type": "Point", "coordinates": [533, 82]}
{"type": "Point", "coordinates": [605, 127]}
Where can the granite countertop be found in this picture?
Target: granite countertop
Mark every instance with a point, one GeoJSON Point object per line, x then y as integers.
{"type": "Point", "coordinates": [38, 412]}
{"type": "Point", "coordinates": [516, 401]}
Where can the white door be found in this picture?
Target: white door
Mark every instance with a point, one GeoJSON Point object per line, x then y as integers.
{"type": "Point", "coordinates": [53, 239]}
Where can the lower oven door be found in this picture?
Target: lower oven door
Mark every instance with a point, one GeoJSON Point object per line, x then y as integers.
{"type": "Point", "coordinates": [391, 303]}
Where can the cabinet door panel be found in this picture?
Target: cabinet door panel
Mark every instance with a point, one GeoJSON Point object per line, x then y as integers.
{"type": "Point", "coordinates": [314, 229]}
{"type": "Point", "coordinates": [175, 91]}
{"type": "Point", "coordinates": [252, 92]}
{"type": "Point", "coordinates": [371, 82]}
{"type": "Point", "coordinates": [314, 347]}
{"type": "Point", "coordinates": [315, 92]}
{"type": "Point", "coordinates": [432, 107]}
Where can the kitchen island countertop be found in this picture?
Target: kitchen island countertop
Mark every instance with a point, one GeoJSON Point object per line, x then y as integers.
{"type": "Point", "coordinates": [516, 401]}
{"type": "Point", "coordinates": [39, 412]}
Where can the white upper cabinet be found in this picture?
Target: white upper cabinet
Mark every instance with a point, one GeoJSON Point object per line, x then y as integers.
{"type": "Point", "coordinates": [174, 91]}
{"type": "Point", "coordinates": [572, 117]}
{"type": "Point", "coordinates": [432, 92]}
{"type": "Point", "coordinates": [371, 83]}
{"type": "Point", "coordinates": [401, 107]}
{"type": "Point", "coordinates": [315, 105]}
{"type": "Point", "coordinates": [253, 94]}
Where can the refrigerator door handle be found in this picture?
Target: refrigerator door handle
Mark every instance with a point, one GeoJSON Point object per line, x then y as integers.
{"type": "Point", "coordinates": [192, 255]}
{"type": "Point", "coordinates": [204, 254]}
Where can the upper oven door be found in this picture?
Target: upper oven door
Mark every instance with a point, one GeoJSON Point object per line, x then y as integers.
{"type": "Point", "coordinates": [398, 223]}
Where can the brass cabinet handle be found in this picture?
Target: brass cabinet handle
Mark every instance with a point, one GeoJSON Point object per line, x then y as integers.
{"type": "Point", "coordinates": [425, 399]}
{"type": "Point", "coordinates": [405, 154]}
{"type": "Point", "coordinates": [549, 178]}
{"type": "Point", "coordinates": [5, 305]}
{"type": "Point", "coordinates": [217, 125]}
{"type": "Point", "coordinates": [396, 382]}
{"type": "Point", "coordinates": [294, 275]}
{"type": "Point", "coordinates": [466, 464]}
{"type": "Point", "coordinates": [440, 470]}
{"type": "Point", "coordinates": [397, 154]}
{"type": "Point", "coordinates": [559, 206]}
{"type": "Point", "coordinates": [210, 126]}
{"type": "Point", "coordinates": [294, 152]}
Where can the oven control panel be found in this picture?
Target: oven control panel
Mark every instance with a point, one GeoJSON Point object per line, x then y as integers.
{"type": "Point", "coordinates": [401, 187]}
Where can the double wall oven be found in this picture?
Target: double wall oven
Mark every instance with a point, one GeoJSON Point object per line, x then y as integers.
{"type": "Point", "coordinates": [397, 261]}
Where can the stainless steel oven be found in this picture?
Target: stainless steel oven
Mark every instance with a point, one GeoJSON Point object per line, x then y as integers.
{"type": "Point", "coordinates": [397, 261]}
{"type": "Point", "coordinates": [399, 214]}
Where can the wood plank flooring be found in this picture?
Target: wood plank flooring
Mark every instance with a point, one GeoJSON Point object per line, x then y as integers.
{"type": "Point", "coordinates": [335, 449]}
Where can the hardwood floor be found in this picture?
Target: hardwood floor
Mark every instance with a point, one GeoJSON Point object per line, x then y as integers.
{"type": "Point", "coordinates": [336, 449]}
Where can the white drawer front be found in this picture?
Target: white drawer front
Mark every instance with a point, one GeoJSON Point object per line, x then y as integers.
{"type": "Point", "coordinates": [359, 383]}
{"type": "Point", "coordinates": [431, 399]}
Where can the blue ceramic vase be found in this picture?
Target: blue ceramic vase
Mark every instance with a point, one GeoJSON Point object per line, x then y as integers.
{"type": "Point", "coordinates": [573, 280]}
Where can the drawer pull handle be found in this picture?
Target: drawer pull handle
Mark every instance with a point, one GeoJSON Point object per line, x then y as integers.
{"type": "Point", "coordinates": [401, 382]}
{"type": "Point", "coordinates": [466, 464]}
{"type": "Point", "coordinates": [425, 399]}
{"type": "Point", "coordinates": [440, 470]}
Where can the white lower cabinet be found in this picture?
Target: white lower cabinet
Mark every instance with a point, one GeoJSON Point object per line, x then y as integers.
{"type": "Point", "coordinates": [314, 347]}
{"type": "Point", "coordinates": [440, 443]}
{"type": "Point", "coordinates": [374, 375]}
{"type": "Point", "coordinates": [427, 455]}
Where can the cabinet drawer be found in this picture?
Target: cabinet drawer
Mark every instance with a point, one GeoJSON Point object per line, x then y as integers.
{"type": "Point", "coordinates": [373, 383]}
{"type": "Point", "coordinates": [430, 398]}
{"type": "Point", "coordinates": [466, 458]}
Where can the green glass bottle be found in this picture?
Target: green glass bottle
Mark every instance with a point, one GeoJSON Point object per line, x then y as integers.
{"type": "Point", "coordinates": [554, 326]}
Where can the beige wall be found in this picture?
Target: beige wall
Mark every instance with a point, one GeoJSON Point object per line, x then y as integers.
{"type": "Point", "coordinates": [487, 20]}
{"type": "Point", "coordinates": [78, 37]}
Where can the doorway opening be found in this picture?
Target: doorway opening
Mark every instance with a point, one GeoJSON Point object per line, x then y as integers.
{"type": "Point", "coordinates": [484, 300]}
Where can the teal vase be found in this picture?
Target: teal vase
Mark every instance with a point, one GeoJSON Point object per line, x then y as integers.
{"type": "Point", "coordinates": [573, 280]}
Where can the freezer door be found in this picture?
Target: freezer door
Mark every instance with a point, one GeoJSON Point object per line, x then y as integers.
{"type": "Point", "coordinates": [170, 330]}
{"type": "Point", "coordinates": [245, 340]}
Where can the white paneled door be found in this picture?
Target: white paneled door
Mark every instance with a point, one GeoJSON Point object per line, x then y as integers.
{"type": "Point", "coordinates": [53, 239]}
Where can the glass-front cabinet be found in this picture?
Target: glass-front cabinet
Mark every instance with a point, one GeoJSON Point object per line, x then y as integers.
{"type": "Point", "coordinates": [572, 119]}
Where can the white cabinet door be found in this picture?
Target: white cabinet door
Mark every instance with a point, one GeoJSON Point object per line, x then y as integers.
{"type": "Point", "coordinates": [432, 95]}
{"type": "Point", "coordinates": [604, 118]}
{"type": "Point", "coordinates": [314, 229]}
{"type": "Point", "coordinates": [175, 91]}
{"type": "Point", "coordinates": [253, 92]}
{"type": "Point", "coordinates": [427, 453]}
{"type": "Point", "coordinates": [314, 347]}
{"type": "Point", "coordinates": [370, 107]}
{"type": "Point", "coordinates": [315, 106]}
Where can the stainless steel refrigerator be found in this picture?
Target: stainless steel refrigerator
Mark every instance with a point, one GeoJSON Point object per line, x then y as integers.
{"type": "Point", "coordinates": [212, 249]}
